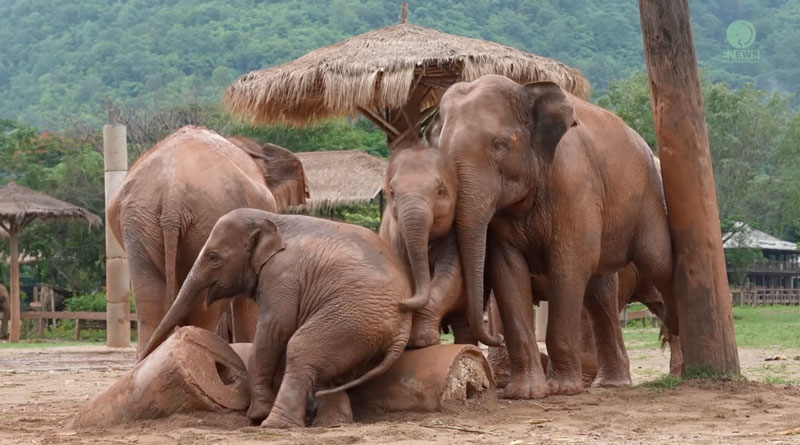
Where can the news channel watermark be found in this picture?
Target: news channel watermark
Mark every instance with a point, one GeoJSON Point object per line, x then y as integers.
{"type": "Point", "coordinates": [741, 35]}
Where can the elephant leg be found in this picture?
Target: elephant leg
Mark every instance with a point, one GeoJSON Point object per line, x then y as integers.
{"type": "Point", "coordinates": [446, 296]}
{"type": "Point", "coordinates": [149, 294]}
{"type": "Point", "coordinates": [675, 355]}
{"type": "Point", "coordinates": [588, 349]}
{"type": "Point", "coordinates": [272, 335]}
{"type": "Point", "coordinates": [566, 289]}
{"type": "Point", "coordinates": [462, 333]}
{"type": "Point", "coordinates": [613, 366]}
{"type": "Point", "coordinates": [654, 261]}
{"type": "Point", "coordinates": [245, 318]}
{"type": "Point", "coordinates": [4, 325]}
{"type": "Point", "coordinates": [511, 283]}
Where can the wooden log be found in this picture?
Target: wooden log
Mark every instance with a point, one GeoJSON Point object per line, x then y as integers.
{"type": "Point", "coordinates": [700, 283]}
{"type": "Point", "coordinates": [436, 378]}
{"type": "Point", "coordinates": [193, 370]}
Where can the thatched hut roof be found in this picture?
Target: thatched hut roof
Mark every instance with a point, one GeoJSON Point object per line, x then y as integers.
{"type": "Point", "coordinates": [378, 70]}
{"type": "Point", "coordinates": [341, 177]}
{"type": "Point", "coordinates": [23, 205]}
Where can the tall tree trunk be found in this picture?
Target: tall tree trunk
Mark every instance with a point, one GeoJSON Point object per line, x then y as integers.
{"type": "Point", "coordinates": [13, 240]}
{"type": "Point", "coordinates": [699, 280]}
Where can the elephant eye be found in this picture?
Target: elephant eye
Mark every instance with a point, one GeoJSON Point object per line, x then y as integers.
{"type": "Point", "coordinates": [499, 146]}
{"type": "Point", "coordinates": [391, 193]}
{"type": "Point", "coordinates": [213, 258]}
{"type": "Point", "coordinates": [442, 191]}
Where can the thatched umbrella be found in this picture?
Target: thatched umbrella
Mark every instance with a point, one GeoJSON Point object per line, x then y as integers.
{"type": "Point", "coordinates": [393, 76]}
{"type": "Point", "coordinates": [19, 206]}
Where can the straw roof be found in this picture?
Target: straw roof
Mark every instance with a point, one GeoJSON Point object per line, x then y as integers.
{"type": "Point", "coordinates": [23, 205]}
{"type": "Point", "coordinates": [341, 177]}
{"type": "Point", "coordinates": [377, 70]}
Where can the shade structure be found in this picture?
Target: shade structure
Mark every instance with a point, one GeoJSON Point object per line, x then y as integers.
{"type": "Point", "coordinates": [341, 177]}
{"type": "Point", "coordinates": [19, 206]}
{"type": "Point", "coordinates": [394, 76]}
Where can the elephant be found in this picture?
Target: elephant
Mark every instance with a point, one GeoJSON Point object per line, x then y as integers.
{"type": "Point", "coordinates": [418, 225]}
{"type": "Point", "coordinates": [170, 199]}
{"type": "Point", "coordinates": [556, 188]}
{"type": "Point", "coordinates": [328, 296]}
{"type": "Point", "coordinates": [5, 302]}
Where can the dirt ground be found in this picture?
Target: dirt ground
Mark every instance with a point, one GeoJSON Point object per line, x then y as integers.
{"type": "Point", "coordinates": [40, 389]}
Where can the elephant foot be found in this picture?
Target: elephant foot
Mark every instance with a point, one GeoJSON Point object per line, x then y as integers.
{"type": "Point", "coordinates": [605, 382]}
{"type": "Point", "coordinates": [525, 387]}
{"type": "Point", "coordinates": [278, 420]}
{"type": "Point", "coordinates": [424, 333]}
{"type": "Point", "coordinates": [258, 411]}
{"type": "Point", "coordinates": [334, 409]}
{"type": "Point", "coordinates": [565, 385]}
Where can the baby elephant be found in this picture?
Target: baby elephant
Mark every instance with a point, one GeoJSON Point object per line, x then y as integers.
{"type": "Point", "coordinates": [418, 225]}
{"type": "Point", "coordinates": [328, 297]}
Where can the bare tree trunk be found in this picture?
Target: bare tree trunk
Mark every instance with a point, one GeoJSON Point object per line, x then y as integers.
{"type": "Point", "coordinates": [699, 279]}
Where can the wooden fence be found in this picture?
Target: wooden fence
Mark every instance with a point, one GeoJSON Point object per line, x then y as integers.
{"type": "Point", "coordinates": [77, 316]}
{"type": "Point", "coordinates": [765, 296]}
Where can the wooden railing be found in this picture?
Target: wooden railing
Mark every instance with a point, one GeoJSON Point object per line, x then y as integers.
{"type": "Point", "coordinates": [626, 316]}
{"type": "Point", "coordinates": [77, 316]}
{"type": "Point", "coordinates": [774, 266]}
{"type": "Point", "coordinates": [765, 296]}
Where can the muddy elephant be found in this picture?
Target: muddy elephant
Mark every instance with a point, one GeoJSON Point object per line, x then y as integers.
{"type": "Point", "coordinates": [4, 308]}
{"type": "Point", "coordinates": [567, 193]}
{"type": "Point", "coordinates": [328, 298]}
{"type": "Point", "coordinates": [170, 199]}
{"type": "Point", "coordinates": [418, 225]}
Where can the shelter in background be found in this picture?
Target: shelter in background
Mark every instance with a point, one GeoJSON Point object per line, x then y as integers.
{"type": "Point", "coordinates": [394, 76]}
{"type": "Point", "coordinates": [342, 177]}
{"type": "Point", "coordinates": [780, 268]}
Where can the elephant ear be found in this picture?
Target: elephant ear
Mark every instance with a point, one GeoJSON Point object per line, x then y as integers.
{"type": "Point", "coordinates": [551, 115]}
{"type": "Point", "coordinates": [266, 242]}
{"type": "Point", "coordinates": [433, 130]}
{"type": "Point", "coordinates": [285, 176]}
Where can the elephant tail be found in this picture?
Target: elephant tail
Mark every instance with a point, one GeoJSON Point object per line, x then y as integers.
{"type": "Point", "coordinates": [170, 262]}
{"type": "Point", "coordinates": [392, 354]}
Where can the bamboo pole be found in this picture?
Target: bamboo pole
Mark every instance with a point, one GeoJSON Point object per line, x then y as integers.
{"type": "Point", "coordinates": [118, 326]}
{"type": "Point", "coordinates": [699, 278]}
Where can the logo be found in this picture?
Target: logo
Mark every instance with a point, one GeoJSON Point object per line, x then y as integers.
{"type": "Point", "coordinates": [741, 35]}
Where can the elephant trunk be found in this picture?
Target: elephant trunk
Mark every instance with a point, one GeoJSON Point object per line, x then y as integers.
{"type": "Point", "coordinates": [415, 219]}
{"type": "Point", "coordinates": [472, 223]}
{"type": "Point", "coordinates": [180, 309]}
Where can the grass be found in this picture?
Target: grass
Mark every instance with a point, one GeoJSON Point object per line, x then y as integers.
{"type": "Point", "coordinates": [767, 326]}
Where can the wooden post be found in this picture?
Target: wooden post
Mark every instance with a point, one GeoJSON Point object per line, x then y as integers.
{"type": "Point", "coordinates": [699, 280]}
{"type": "Point", "coordinates": [118, 325]}
{"type": "Point", "coordinates": [13, 241]}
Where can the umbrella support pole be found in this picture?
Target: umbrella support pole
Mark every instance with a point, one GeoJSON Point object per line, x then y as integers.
{"type": "Point", "coordinates": [13, 238]}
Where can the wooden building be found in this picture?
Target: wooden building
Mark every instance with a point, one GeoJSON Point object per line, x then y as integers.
{"type": "Point", "coordinates": [780, 267]}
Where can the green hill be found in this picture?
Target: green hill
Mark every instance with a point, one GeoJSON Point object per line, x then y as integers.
{"type": "Point", "coordinates": [61, 61]}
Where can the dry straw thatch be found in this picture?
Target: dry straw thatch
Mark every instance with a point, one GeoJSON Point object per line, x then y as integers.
{"type": "Point", "coordinates": [23, 205]}
{"type": "Point", "coordinates": [377, 70]}
{"type": "Point", "coordinates": [341, 177]}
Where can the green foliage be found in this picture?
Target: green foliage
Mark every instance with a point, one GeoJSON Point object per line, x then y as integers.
{"type": "Point", "coordinates": [93, 302]}
{"type": "Point", "coordinates": [754, 136]}
{"type": "Point", "coordinates": [740, 261]}
{"type": "Point", "coordinates": [664, 383]}
{"type": "Point", "coordinates": [366, 215]}
{"type": "Point", "coordinates": [61, 61]}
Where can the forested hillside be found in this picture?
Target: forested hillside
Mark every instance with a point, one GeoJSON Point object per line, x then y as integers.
{"type": "Point", "coordinates": [61, 61]}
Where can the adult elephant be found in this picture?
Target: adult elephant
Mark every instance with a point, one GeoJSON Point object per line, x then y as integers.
{"type": "Point", "coordinates": [170, 200]}
{"type": "Point", "coordinates": [566, 192]}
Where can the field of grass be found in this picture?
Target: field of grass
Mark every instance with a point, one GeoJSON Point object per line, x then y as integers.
{"type": "Point", "coordinates": [755, 327]}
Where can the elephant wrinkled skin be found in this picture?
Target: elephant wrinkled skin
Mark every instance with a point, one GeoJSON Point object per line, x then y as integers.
{"type": "Point", "coordinates": [328, 298]}
{"type": "Point", "coordinates": [170, 199]}
{"type": "Point", "coordinates": [567, 193]}
{"type": "Point", "coordinates": [418, 226]}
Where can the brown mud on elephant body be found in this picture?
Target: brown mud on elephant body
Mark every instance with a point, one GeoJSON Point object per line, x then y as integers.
{"type": "Point", "coordinates": [567, 193]}
{"type": "Point", "coordinates": [418, 225]}
{"type": "Point", "coordinates": [169, 201]}
{"type": "Point", "coordinates": [328, 298]}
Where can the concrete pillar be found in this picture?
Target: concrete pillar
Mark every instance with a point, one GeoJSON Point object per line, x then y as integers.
{"type": "Point", "coordinates": [541, 321]}
{"type": "Point", "coordinates": [118, 288]}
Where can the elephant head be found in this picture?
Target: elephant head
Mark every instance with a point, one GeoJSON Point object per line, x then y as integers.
{"type": "Point", "coordinates": [501, 136]}
{"type": "Point", "coordinates": [284, 173]}
{"type": "Point", "coordinates": [239, 246]}
{"type": "Point", "coordinates": [421, 184]}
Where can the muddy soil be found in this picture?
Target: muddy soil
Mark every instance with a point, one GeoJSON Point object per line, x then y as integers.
{"type": "Point", "coordinates": [41, 388]}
